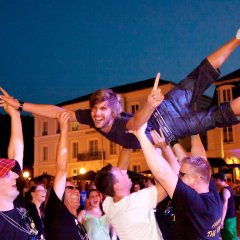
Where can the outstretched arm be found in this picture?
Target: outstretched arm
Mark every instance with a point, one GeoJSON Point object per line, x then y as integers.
{"type": "Point", "coordinates": [157, 164]}
{"type": "Point", "coordinates": [143, 115]}
{"type": "Point", "coordinates": [16, 146]}
{"type": "Point", "coordinates": [62, 155]}
{"type": "Point", "coordinates": [44, 110]}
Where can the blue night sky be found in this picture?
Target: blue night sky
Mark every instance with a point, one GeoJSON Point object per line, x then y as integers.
{"type": "Point", "coordinates": [56, 50]}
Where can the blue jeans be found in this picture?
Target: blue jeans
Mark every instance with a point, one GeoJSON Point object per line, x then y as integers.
{"type": "Point", "coordinates": [176, 115]}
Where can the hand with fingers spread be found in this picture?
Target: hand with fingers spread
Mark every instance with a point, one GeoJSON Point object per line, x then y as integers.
{"type": "Point", "coordinates": [156, 97]}
{"type": "Point", "coordinates": [6, 98]}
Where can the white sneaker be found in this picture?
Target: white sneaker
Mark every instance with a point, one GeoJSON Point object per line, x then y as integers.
{"type": "Point", "coordinates": [238, 34]}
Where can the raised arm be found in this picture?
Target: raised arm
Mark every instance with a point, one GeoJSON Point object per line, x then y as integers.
{"type": "Point", "coordinates": [44, 110]}
{"type": "Point", "coordinates": [159, 141]}
{"type": "Point", "coordinates": [62, 156]}
{"type": "Point", "coordinates": [123, 159]}
{"type": "Point", "coordinates": [16, 146]}
{"type": "Point", "coordinates": [141, 116]}
{"type": "Point", "coordinates": [157, 164]}
{"type": "Point", "coordinates": [197, 148]}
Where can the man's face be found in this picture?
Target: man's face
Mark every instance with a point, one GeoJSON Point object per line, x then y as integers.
{"type": "Point", "coordinates": [8, 185]}
{"type": "Point", "coordinates": [186, 173]}
{"type": "Point", "coordinates": [72, 195]}
{"type": "Point", "coordinates": [122, 178]}
{"type": "Point", "coordinates": [102, 116]}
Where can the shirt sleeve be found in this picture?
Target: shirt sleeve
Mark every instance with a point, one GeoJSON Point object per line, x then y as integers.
{"type": "Point", "coordinates": [84, 117]}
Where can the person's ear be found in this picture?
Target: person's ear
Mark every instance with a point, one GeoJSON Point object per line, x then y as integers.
{"type": "Point", "coordinates": [116, 186]}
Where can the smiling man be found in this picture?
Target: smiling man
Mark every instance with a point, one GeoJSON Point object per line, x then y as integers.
{"type": "Point", "coordinates": [14, 222]}
{"type": "Point", "coordinates": [61, 211]}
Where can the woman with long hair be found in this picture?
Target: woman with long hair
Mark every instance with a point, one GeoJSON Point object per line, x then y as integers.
{"type": "Point", "coordinates": [94, 219]}
{"type": "Point", "coordinates": [35, 198]}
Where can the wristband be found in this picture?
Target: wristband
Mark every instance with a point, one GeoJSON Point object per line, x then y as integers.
{"type": "Point", "coordinates": [20, 108]}
{"type": "Point", "coordinates": [172, 143]}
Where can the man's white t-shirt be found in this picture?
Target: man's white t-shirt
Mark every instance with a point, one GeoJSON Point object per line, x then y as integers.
{"type": "Point", "coordinates": [132, 217]}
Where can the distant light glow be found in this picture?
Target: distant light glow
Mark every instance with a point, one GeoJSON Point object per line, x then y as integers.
{"type": "Point", "coordinates": [82, 170]}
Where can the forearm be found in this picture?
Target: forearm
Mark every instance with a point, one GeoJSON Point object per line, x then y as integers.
{"type": "Point", "coordinates": [43, 110]}
{"type": "Point", "coordinates": [171, 159]}
{"type": "Point", "coordinates": [197, 148]}
{"type": "Point", "coordinates": [15, 148]}
{"type": "Point", "coordinates": [179, 151]}
{"type": "Point", "coordinates": [155, 161]}
{"type": "Point", "coordinates": [123, 160]}
{"type": "Point", "coordinates": [140, 117]}
{"type": "Point", "coordinates": [62, 153]}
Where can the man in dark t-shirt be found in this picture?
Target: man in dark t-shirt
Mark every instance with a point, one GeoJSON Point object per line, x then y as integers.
{"type": "Point", "coordinates": [194, 209]}
{"type": "Point", "coordinates": [61, 211]}
{"type": "Point", "coordinates": [14, 221]}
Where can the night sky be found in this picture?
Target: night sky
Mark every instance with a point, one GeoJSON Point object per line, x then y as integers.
{"type": "Point", "coordinates": [54, 51]}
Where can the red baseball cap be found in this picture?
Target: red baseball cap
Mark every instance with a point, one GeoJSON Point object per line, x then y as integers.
{"type": "Point", "coordinates": [6, 165]}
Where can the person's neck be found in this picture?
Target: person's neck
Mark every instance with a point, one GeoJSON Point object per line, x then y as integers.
{"type": "Point", "coordinates": [120, 196]}
{"type": "Point", "coordinates": [6, 205]}
{"type": "Point", "coordinates": [72, 210]}
{"type": "Point", "coordinates": [38, 204]}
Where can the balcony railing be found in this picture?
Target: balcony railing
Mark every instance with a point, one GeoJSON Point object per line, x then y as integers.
{"type": "Point", "coordinates": [90, 156]}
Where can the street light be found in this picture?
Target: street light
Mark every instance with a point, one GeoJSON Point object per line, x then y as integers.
{"type": "Point", "coordinates": [26, 175]}
{"type": "Point", "coordinates": [82, 170]}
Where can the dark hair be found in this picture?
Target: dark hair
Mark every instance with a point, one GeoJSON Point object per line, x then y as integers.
{"type": "Point", "coordinates": [105, 180]}
{"type": "Point", "coordinates": [92, 190]}
{"type": "Point", "coordinates": [114, 100]}
{"type": "Point", "coordinates": [200, 166]}
{"type": "Point", "coordinates": [28, 194]}
{"type": "Point", "coordinates": [220, 176]}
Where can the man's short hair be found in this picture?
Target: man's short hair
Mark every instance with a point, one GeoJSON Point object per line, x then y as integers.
{"type": "Point", "coordinates": [220, 176]}
{"type": "Point", "coordinates": [113, 99]}
{"type": "Point", "coordinates": [200, 165]}
{"type": "Point", "coordinates": [105, 180]}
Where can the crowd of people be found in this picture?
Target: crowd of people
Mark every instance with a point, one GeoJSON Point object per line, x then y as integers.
{"type": "Point", "coordinates": [183, 202]}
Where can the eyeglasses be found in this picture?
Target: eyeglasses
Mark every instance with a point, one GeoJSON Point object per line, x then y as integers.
{"type": "Point", "coordinates": [181, 174]}
{"type": "Point", "coordinates": [73, 187]}
{"type": "Point", "coordinates": [41, 190]}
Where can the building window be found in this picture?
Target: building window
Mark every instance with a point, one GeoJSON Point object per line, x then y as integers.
{"type": "Point", "coordinates": [113, 148]}
{"type": "Point", "coordinates": [136, 168]}
{"type": "Point", "coordinates": [75, 172]}
{"type": "Point", "coordinates": [228, 135]}
{"type": "Point", "coordinates": [225, 94]}
{"type": "Point", "coordinates": [75, 126]}
{"type": "Point", "coordinates": [45, 129]}
{"type": "Point", "coordinates": [45, 154]}
{"type": "Point", "coordinates": [93, 146]}
{"type": "Point", "coordinates": [75, 150]}
{"type": "Point", "coordinates": [134, 107]}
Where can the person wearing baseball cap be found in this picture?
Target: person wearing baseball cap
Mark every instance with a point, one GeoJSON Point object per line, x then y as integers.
{"type": "Point", "coordinates": [14, 222]}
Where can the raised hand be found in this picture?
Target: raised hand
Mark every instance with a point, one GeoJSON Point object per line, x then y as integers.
{"type": "Point", "coordinates": [63, 118]}
{"type": "Point", "coordinates": [155, 97]}
{"type": "Point", "coordinates": [6, 98]}
{"type": "Point", "coordinates": [158, 138]}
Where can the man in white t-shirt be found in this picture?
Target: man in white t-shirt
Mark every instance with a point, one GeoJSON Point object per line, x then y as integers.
{"type": "Point", "coordinates": [131, 214]}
